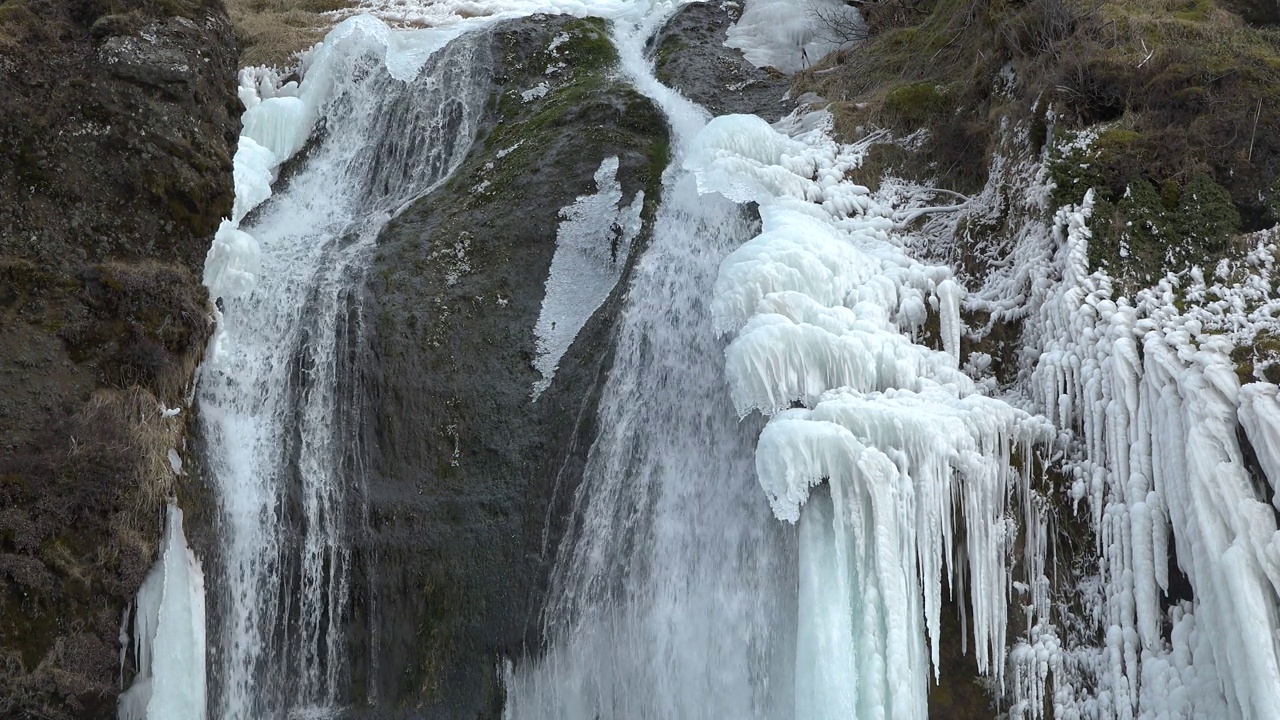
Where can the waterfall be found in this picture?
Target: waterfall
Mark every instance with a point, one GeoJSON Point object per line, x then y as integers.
{"type": "Point", "coordinates": [673, 594]}
{"type": "Point", "coordinates": [788, 479]}
{"type": "Point", "coordinates": [393, 115]}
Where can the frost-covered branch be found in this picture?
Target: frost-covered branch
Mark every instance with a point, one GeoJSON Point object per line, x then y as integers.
{"type": "Point", "coordinates": [904, 218]}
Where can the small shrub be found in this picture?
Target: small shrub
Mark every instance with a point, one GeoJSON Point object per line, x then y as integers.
{"type": "Point", "coordinates": [910, 106]}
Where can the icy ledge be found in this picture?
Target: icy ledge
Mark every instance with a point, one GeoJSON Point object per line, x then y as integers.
{"type": "Point", "coordinates": [169, 635]}
{"type": "Point", "coordinates": [890, 439]}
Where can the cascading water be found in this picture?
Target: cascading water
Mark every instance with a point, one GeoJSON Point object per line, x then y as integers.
{"type": "Point", "coordinates": [680, 589]}
{"type": "Point", "coordinates": [280, 435]}
{"type": "Point", "coordinates": [674, 596]}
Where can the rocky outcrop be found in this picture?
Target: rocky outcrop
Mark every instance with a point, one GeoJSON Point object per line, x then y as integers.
{"type": "Point", "coordinates": [692, 58]}
{"type": "Point", "coordinates": [116, 136]}
{"type": "Point", "coordinates": [471, 477]}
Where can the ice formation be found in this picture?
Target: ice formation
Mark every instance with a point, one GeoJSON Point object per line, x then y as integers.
{"type": "Point", "coordinates": [790, 35]}
{"type": "Point", "coordinates": [1188, 549]}
{"type": "Point", "coordinates": [278, 120]}
{"type": "Point", "coordinates": [825, 306]}
{"type": "Point", "coordinates": [169, 635]}
{"type": "Point", "coordinates": [593, 243]}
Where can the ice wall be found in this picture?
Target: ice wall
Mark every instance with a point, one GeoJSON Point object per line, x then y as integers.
{"type": "Point", "coordinates": [1188, 549]}
{"type": "Point", "coordinates": [169, 635]}
{"type": "Point", "coordinates": [825, 308]}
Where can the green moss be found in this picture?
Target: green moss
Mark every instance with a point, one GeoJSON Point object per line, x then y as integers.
{"type": "Point", "coordinates": [588, 56]}
{"type": "Point", "coordinates": [1194, 11]}
{"type": "Point", "coordinates": [1264, 353]}
{"type": "Point", "coordinates": [911, 106]}
{"type": "Point", "coordinates": [669, 47]}
{"type": "Point", "coordinates": [1206, 216]}
{"type": "Point", "coordinates": [1109, 165]}
{"type": "Point", "coordinates": [588, 47]}
{"type": "Point", "coordinates": [1138, 236]}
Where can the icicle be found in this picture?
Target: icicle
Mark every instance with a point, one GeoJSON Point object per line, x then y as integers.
{"type": "Point", "coordinates": [169, 635]}
{"type": "Point", "coordinates": [820, 303]}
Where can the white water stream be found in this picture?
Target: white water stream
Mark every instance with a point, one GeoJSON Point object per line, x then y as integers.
{"type": "Point", "coordinates": [675, 596]}
{"type": "Point", "coordinates": [281, 438]}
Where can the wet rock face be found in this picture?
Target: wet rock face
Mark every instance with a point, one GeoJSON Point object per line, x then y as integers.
{"type": "Point", "coordinates": [471, 478]}
{"type": "Point", "coordinates": [116, 136]}
{"type": "Point", "coordinates": [691, 57]}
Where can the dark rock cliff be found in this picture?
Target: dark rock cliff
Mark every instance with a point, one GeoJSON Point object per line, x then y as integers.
{"type": "Point", "coordinates": [472, 480]}
{"type": "Point", "coordinates": [118, 121]}
{"type": "Point", "coordinates": [691, 57]}
{"type": "Point", "coordinates": [466, 462]}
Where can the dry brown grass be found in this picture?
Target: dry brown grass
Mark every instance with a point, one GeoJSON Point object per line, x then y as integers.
{"type": "Point", "coordinates": [146, 437]}
{"type": "Point", "coordinates": [272, 32]}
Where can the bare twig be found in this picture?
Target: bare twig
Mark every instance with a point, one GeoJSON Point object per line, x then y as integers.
{"type": "Point", "coordinates": [1254, 135]}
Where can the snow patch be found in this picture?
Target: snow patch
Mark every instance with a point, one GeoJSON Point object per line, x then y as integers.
{"type": "Point", "coordinates": [536, 92]}
{"type": "Point", "coordinates": [593, 243]}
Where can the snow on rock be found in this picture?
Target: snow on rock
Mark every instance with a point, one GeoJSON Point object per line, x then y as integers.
{"type": "Point", "coordinates": [824, 306]}
{"type": "Point", "coordinates": [593, 243]}
{"type": "Point", "coordinates": [169, 635]}
{"type": "Point", "coordinates": [790, 35]}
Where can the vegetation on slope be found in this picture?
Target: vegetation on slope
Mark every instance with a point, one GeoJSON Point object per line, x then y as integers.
{"type": "Point", "coordinates": [1184, 95]}
{"type": "Point", "coordinates": [271, 32]}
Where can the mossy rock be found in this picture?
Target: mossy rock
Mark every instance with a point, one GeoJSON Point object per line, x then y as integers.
{"type": "Point", "coordinates": [1148, 231]}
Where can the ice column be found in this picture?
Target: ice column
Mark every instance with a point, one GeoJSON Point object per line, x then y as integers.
{"type": "Point", "coordinates": [169, 635]}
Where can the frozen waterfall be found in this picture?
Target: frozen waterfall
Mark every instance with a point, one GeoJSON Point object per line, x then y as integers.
{"type": "Point", "coordinates": [169, 634]}
{"type": "Point", "coordinates": [795, 473]}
